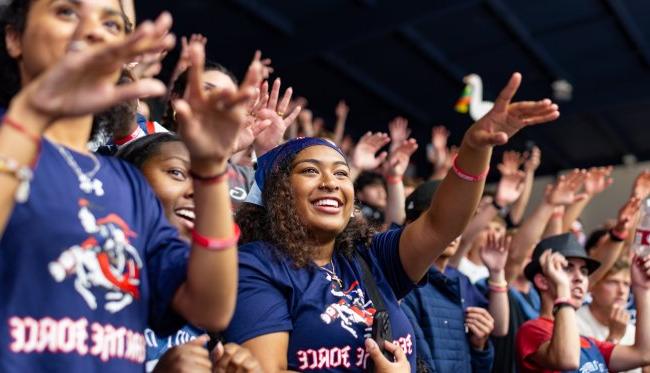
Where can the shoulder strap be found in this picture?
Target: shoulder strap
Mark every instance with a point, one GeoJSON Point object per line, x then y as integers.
{"type": "Point", "coordinates": [371, 284]}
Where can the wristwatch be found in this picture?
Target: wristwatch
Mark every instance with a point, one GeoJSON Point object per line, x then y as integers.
{"type": "Point", "coordinates": [559, 305]}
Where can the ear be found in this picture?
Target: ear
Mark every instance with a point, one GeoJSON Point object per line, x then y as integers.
{"type": "Point", "coordinates": [13, 42]}
{"type": "Point", "coordinates": [541, 282]}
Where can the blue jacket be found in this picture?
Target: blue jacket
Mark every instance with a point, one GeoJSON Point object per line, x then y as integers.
{"type": "Point", "coordinates": [437, 312]}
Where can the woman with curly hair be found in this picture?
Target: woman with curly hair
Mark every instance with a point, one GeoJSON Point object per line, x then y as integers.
{"type": "Point", "coordinates": [307, 264]}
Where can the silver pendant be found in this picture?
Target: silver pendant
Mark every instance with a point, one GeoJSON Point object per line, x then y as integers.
{"type": "Point", "coordinates": [89, 186]}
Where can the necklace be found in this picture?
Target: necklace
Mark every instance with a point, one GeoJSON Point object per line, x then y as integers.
{"type": "Point", "coordinates": [332, 274]}
{"type": "Point", "coordinates": [87, 183]}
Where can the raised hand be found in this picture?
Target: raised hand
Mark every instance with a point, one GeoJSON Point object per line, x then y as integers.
{"type": "Point", "coordinates": [399, 131]}
{"type": "Point", "coordinates": [84, 81]}
{"type": "Point", "coordinates": [510, 188]}
{"type": "Point", "coordinates": [234, 358]}
{"type": "Point", "coordinates": [494, 253]}
{"type": "Point", "coordinates": [383, 365]}
{"type": "Point", "coordinates": [598, 179]}
{"type": "Point", "coordinates": [364, 157]}
{"type": "Point", "coordinates": [184, 58]}
{"type": "Point", "coordinates": [618, 321]}
{"type": "Point", "coordinates": [191, 357]}
{"type": "Point", "coordinates": [626, 216]}
{"type": "Point", "coordinates": [533, 160]}
{"type": "Point", "coordinates": [273, 109]}
{"type": "Point", "coordinates": [641, 273]}
{"type": "Point", "coordinates": [480, 324]}
{"type": "Point", "coordinates": [553, 265]}
{"type": "Point", "coordinates": [506, 118]}
{"type": "Point", "coordinates": [211, 120]}
{"type": "Point", "coordinates": [306, 122]}
{"type": "Point", "coordinates": [510, 163]}
{"type": "Point", "coordinates": [565, 190]}
{"type": "Point", "coordinates": [439, 137]}
{"type": "Point", "coordinates": [342, 109]}
{"type": "Point", "coordinates": [641, 188]}
{"type": "Point", "coordinates": [398, 160]}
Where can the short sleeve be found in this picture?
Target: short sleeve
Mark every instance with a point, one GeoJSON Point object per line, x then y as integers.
{"type": "Point", "coordinates": [261, 305]}
{"type": "Point", "coordinates": [605, 348]}
{"type": "Point", "coordinates": [167, 257]}
{"type": "Point", "coordinates": [385, 249]}
{"type": "Point", "coordinates": [531, 335]}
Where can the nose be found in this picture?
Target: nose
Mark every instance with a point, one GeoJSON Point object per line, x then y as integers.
{"type": "Point", "coordinates": [189, 192]}
{"type": "Point", "coordinates": [89, 29]}
{"type": "Point", "coordinates": [328, 182]}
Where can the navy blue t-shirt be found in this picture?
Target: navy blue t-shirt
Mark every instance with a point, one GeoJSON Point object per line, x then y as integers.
{"type": "Point", "coordinates": [81, 274]}
{"type": "Point", "coordinates": [327, 323]}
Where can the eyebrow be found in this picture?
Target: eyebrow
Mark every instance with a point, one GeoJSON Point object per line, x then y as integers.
{"type": "Point", "coordinates": [184, 160]}
{"type": "Point", "coordinates": [107, 10]}
{"type": "Point", "coordinates": [316, 161]}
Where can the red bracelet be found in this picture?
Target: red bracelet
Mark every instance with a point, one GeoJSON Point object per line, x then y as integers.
{"type": "Point", "coordinates": [466, 176]}
{"type": "Point", "coordinates": [393, 179]}
{"type": "Point", "coordinates": [215, 244]}
{"type": "Point", "coordinates": [20, 128]}
{"type": "Point", "coordinates": [498, 289]}
{"type": "Point", "coordinates": [618, 236]}
{"type": "Point", "coordinates": [222, 176]}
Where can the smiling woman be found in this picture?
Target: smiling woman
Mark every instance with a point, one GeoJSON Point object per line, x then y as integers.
{"type": "Point", "coordinates": [306, 262]}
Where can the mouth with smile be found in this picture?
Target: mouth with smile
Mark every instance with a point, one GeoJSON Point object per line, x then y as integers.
{"type": "Point", "coordinates": [186, 216]}
{"type": "Point", "coordinates": [328, 205]}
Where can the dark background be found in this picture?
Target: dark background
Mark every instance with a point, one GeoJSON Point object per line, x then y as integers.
{"type": "Point", "coordinates": [389, 58]}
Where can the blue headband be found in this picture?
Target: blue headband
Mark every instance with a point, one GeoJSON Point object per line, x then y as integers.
{"type": "Point", "coordinates": [271, 160]}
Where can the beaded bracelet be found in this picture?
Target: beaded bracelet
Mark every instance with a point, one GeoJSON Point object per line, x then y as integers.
{"type": "Point", "coordinates": [467, 176]}
{"type": "Point", "coordinates": [24, 175]}
{"type": "Point", "coordinates": [215, 244]}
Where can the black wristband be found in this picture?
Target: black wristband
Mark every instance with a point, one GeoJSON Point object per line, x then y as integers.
{"type": "Point", "coordinates": [615, 237]}
{"type": "Point", "coordinates": [501, 210]}
{"type": "Point", "coordinates": [559, 306]}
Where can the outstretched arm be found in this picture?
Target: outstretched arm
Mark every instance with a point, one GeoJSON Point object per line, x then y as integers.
{"type": "Point", "coordinates": [209, 122]}
{"type": "Point", "coordinates": [458, 195]}
{"type": "Point", "coordinates": [394, 169]}
{"type": "Point", "coordinates": [80, 84]}
{"type": "Point", "coordinates": [562, 193]}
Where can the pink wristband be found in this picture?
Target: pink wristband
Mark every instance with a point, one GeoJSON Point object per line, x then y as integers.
{"type": "Point", "coordinates": [498, 289]}
{"type": "Point", "coordinates": [393, 179]}
{"type": "Point", "coordinates": [466, 176]}
{"type": "Point", "coordinates": [215, 244]}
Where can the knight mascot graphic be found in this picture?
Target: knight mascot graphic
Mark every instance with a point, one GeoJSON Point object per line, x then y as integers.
{"type": "Point", "coordinates": [105, 259]}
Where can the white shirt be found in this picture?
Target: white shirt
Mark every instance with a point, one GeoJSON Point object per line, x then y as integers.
{"type": "Point", "coordinates": [590, 327]}
{"type": "Point", "coordinates": [473, 271]}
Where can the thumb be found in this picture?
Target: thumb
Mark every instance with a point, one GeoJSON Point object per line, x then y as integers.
{"type": "Point", "coordinates": [375, 352]}
{"type": "Point", "coordinates": [382, 156]}
{"type": "Point", "coordinates": [218, 352]}
{"type": "Point", "coordinates": [396, 350]}
{"type": "Point", "coordinates": [200, 340]}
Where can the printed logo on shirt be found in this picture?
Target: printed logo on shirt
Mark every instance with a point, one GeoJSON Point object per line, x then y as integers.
{"type": "Point", "coordinates": [68, 336]}
{"type": "Point", "coordinates": [351, 309]}
{"type": "Point", "coordinates": [106, 260]}
{"type": "Point", "coordinates": [593, 366]}
{"type": "Point", "coordinates": [343, 357]}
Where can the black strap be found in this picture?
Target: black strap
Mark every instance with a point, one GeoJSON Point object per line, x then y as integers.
{"type": "Point", "coordinates": [371, 284]}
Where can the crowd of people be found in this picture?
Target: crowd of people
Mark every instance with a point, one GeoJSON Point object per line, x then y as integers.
{"type": "Point", "coordinates": [239, 233]}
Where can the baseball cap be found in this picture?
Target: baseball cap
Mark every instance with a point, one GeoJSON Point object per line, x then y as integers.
{"type": "Point", "coordinates": [420, 199]}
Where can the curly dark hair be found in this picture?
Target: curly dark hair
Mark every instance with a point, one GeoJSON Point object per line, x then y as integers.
{"type": "Point", "coordinates": [279, 224]}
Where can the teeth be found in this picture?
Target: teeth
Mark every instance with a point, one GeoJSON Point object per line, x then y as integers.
{"type": "Point", "coordinates": [187, 214]}
{"type": "Point", "coordinates": [327, 202]}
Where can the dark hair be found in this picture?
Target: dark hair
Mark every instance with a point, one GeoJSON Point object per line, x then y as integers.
{"type": "Point", "coordinates": [279, 224]}
{"type": "Point", "coordinates": [593, 239]}
{"type": "Point", "coordinates": [178, 90]}
{"type": "Point", "coordinates": [117, 119]}
{"type": "Point", "coordinates": [368, 178]}
{"type": "Point", "coordinates": [139, 151]}
{"type": "Point", "coordinates": [14, 15]}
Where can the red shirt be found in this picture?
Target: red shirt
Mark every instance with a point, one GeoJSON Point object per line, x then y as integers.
{"type": "Point", "coordinates": [533, 333]}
